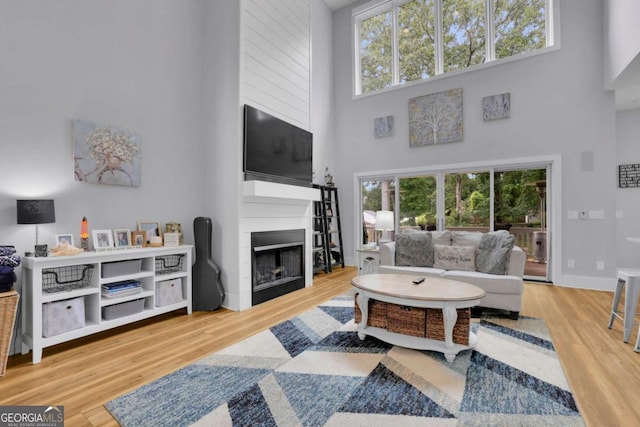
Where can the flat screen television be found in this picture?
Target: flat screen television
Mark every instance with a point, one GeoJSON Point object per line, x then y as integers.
{"type": "Point", "coordinates": [275, 150]}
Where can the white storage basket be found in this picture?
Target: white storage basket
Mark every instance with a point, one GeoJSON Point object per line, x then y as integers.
{"type": "Point", "coordinates": [168, 292]}
{"type": "Point", "coordinates": [62, 316]}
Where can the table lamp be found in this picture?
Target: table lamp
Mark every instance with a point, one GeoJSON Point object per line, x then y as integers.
{"type": "Point", "coordinates": [36, 212]}
{"type": "Point", "coordinates": [384, 222]}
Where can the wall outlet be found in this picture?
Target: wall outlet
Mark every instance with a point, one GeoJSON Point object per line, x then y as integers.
{"type": "Point", "coordinates": [571, 263]}
{"type": "Point", "coordinates": [596, 214]}
{"type": "Point", "coordinates": [600, 265]}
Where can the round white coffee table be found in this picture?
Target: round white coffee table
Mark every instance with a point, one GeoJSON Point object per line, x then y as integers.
{"type": "Point", "coordinates": [447, 295]}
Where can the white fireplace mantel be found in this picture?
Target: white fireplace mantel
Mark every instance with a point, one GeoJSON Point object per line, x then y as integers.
{"type": "Point", "coordinates": [279, 191]}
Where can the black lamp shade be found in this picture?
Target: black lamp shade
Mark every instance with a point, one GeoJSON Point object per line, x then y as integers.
{"type": "Point", "coordinates": [36, 212]}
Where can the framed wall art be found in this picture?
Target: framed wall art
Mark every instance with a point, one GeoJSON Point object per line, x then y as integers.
{"type": "Point", "coordinates": [496, 107]}
{"type": "Point", "coordinates": [383, 127]}
{"type": "Point", "coordinates": [105, 155]}
{"type": "Point", "coordinates": [436, 118]}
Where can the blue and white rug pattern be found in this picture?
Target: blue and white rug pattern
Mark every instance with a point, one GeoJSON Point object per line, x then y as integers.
{"type": "Point", "coordinates": [313, 370]}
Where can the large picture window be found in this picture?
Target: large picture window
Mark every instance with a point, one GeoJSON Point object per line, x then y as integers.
{"type": "Point", "coordinates": [400, 41]}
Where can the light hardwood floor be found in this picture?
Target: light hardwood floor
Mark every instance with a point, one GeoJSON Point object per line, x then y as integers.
{"type": "Point", "coordinates": [604, 372]}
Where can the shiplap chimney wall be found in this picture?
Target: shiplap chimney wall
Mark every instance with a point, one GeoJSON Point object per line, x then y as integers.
{"type": "Point", "coordinates": [275, 77]}
{"type": "Point", "coordinates": [276, 58]}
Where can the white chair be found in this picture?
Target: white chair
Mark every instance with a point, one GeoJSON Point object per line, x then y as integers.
{"type": "Point", "coordinates": [630, 280]}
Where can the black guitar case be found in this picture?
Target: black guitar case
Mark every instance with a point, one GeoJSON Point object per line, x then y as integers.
{"type": "Point", "coordinates": [208, 293]}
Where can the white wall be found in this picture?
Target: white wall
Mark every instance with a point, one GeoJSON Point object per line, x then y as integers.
{"type": "Point", "coordinates": [558, 108]}
{"type": "Point", "coordinates": [628, 199]}
{"type": "Point", "coordinates": [322, 89]}
{"type": "Point", "coordinates": [132, 65]}
{"type": "Point", "coordinates": [222, 150]}
{"type": "Point", "coordinates": [622, 36]}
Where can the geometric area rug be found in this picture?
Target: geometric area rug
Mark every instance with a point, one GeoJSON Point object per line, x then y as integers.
{"type": "Point", "coordinates": [312, 370]}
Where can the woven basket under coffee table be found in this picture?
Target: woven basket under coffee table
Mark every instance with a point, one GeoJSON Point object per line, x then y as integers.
{"type": "Point", "coordinates": [433, 315]}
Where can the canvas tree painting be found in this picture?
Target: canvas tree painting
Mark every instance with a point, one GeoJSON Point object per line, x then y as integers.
{"type": "Point", "coordinates": [105, 155]}
{"type": "Point", "coordinates": [436, 118]}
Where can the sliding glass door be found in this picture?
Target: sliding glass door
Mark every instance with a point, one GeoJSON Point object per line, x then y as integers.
{"type": "Point", "coordinates": [376, 195]}
{"type": "Point", "coordinates": [467, 201]}
{"type": "Point", "coordinates": [520, 206]}
{"type": "Point", "coordinates": [508, 198]}
{"type": "Point", "coordinates": [418, 202]}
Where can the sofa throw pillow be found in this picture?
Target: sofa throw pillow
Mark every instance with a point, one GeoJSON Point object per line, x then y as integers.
{"type": "Point", "coordinates": [441, 237]}
{"type": "Point", "coordinates": [414, 249]}
{"type": "Point", "coordinates": [454, 257]}
{"type": "Point", "coordinates": [466, 238]}
{"type": "Point", "coordinates": [493, 253]}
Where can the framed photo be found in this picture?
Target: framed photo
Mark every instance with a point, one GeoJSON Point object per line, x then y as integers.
{"type": "Point", "coordinates": [64, 239]}
{"type": "Point", "coordinates": [139, 239]}
{"type": "Point", "coordinates": [174, 227]}
{"type": "Point", "coordinates": [102, 239]}
{"type": "Point", "coordinates": [172, 239]}
{"type": "Point", "coordinates": [122, 237]}
{"type": "Point", "coordinates": [151, 228]}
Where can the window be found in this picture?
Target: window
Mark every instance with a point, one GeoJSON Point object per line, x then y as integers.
{"type": "Point", "coordinates": [400, 41]}
{"type": "Point", "coordinates": [377, 195]}
{"type": "Point", "coordinates": [509, 197]}
{"type": "Point", "coordinates": [376, 52]}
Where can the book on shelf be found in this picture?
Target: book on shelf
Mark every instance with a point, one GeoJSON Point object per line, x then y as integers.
{"type": "Point", "coordinates": [121, 293]}
{"type": "Point", "coordinates": [121, 289]}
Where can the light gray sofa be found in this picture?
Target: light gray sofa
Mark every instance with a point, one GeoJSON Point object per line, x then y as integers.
{"type": "Point", "coordinates": [503, 284]}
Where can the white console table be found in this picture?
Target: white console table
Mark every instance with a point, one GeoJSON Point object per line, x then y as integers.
{"type": "Point", "coordinates": [34, 297]}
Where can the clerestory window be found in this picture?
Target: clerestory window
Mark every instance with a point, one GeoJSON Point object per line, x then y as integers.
{"type": "Point", "coordinates": [400, 41]}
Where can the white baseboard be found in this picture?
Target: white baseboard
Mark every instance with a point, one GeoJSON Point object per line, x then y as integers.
{"type": "Point", "coordinates": [586, 282]}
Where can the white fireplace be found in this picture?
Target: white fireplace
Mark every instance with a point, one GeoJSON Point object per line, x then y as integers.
{"type": "Point", "coordinates": [268, 206]}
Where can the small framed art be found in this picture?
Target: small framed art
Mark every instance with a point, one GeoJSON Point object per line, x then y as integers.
{"type": "Point", "coordinates": [64, 239]}
{"type": "Point", "coordinates": [151, 228]}
{"type": "Point", "coordinates": [138, 239]}
{"type": "Point", "coordinates": [172, 239]}
{"type": "Point", "coordinates": [174, 227]}
{"type": "Point", "coordinates": [122, 237]}
{"type": "Point", "coordinates": [102, 239]}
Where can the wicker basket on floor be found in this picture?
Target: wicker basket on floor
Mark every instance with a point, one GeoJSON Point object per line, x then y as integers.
{"type": "Point", "coordinates": [406, 320]}
{"type": "Point", "coordinates": [8, 309]}
{"type": "Point", "coordinates": [377, 313]}
{"type": "Point", "coordinates": [435, 325]}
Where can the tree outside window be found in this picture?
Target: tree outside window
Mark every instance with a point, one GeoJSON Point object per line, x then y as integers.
{"type": "Point", "coordinates": [516, 26]}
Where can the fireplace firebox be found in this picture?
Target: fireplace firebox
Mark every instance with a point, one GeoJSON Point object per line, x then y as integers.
{"type": "Point", "coordinates": [277, 263]}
